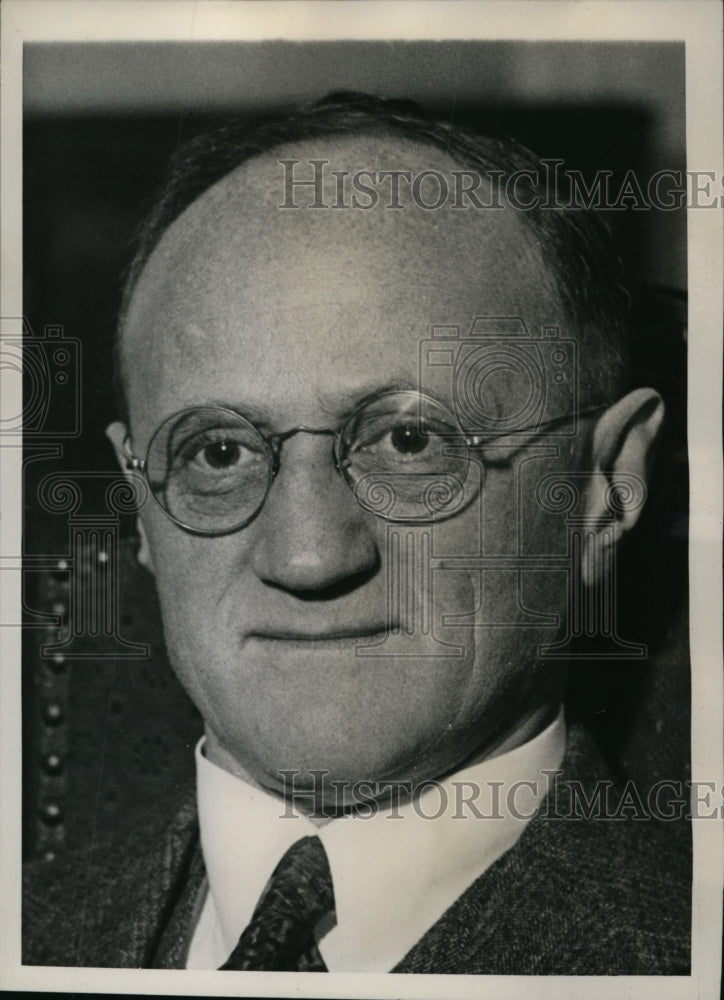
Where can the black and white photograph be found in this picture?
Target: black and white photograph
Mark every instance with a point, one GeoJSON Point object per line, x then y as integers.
{"type": "Point", "coordinates": [362, 499]}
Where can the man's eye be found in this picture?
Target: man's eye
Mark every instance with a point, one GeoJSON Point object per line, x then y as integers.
{"type": "Point", "coordinates": [404, 442]}
{"type": "Point", "coordinates": [409, 439]}
{"type": "Point", "coordinates": [218, 452]}
{"type": "Point", "coordinates": [221, 454]}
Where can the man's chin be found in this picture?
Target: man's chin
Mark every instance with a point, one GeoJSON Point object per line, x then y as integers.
{"type": "Point", "coordinates": [346, 774]}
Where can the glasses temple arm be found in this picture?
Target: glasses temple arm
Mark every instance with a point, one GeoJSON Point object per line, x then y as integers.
{"type": "Point", "coordinates": [535, 429]}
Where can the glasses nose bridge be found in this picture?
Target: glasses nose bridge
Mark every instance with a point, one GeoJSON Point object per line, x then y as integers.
{"type": "Point", "coordinates": [276, 441]}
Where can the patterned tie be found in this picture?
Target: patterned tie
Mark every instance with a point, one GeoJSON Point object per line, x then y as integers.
{"type": "Point", "coordinates": [280, 935]}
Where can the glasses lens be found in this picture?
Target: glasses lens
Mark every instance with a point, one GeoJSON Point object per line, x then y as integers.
{"type": "Point", "coordinates": [405, 457]}
{"type": "Point", "coordinates": [209, 469]}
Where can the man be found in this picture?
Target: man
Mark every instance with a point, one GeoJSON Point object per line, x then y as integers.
{"type": "Point", "coordinates": [357, 372]}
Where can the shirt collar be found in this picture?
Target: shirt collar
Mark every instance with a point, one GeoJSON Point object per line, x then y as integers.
{"type": "Point", "coordinates": [395, 870]}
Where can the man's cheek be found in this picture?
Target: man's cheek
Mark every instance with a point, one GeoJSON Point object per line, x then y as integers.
{"type": "Point", "coordinates": [186, 565]}
{"type": "Point", "coordinates": [456, 597]}
{"type": "Point", "coordinates": [498, 619]}
{"type": "Point", "coordinates": [477, 596]}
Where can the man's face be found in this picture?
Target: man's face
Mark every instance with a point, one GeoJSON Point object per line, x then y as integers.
{"type": "Point", "coordinates": [295, 316]}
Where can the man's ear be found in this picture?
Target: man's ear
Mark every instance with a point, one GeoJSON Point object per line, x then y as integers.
{"type": "Point", "coordinates": [623, 449]}
{"type": "Point", "coordinates": [117, 434]}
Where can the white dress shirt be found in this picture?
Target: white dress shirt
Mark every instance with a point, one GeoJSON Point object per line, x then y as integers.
{"type": "Point", "coordinates": [393, 875]}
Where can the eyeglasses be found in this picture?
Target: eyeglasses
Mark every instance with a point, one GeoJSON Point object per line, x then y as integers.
{"type": "Point", "coordinates": [403, 455]}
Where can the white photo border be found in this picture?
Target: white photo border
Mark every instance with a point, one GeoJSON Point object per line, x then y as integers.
{"type": "Point", "coordinates": [697, 23]}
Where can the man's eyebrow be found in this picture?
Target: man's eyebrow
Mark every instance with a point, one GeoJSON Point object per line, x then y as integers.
{"type": "Point", "coordinates": [334, 406]}
{"type": "Point", "coordinates": [342, 403]}
{"type": "Point", "coordinates": [258, 414]}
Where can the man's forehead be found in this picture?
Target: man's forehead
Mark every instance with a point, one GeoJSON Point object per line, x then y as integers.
{"type": "Point", "coordinates": [303, 196]}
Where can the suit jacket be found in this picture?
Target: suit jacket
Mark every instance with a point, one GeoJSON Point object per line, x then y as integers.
{"type": "Point", "coordinates": [581, 896]}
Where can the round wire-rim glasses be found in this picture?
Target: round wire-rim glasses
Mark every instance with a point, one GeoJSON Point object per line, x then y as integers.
{"type": "Point", "coordinates": [402, 453]}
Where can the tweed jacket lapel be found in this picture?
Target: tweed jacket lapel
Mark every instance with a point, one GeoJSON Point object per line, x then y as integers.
{"type": "Point", "coordinates": [147, 892]}
{"type": "Point", "coordinates": [175, 940]}
{"type": "Point", "coordinates": [108, 906]}
{"type": "Point", "coordinates": [475, 934]}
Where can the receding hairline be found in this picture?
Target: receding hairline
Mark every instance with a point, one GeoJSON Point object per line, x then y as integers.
{"type": "Point", "coordinates": [252, 193]}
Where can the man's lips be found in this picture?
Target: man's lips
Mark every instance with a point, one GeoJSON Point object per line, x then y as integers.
{"type": "Point", "coordinates": [331, 635]}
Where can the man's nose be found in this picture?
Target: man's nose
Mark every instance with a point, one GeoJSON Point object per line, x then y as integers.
{"type": "Point", "coordinates": [312, 534]}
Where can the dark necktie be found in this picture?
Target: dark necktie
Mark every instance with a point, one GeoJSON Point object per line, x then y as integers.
{"type": "Point", "coordinates": [280, 935]}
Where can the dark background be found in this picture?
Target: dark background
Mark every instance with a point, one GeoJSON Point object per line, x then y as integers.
{"type": "Point", "coordinates": [101, 122]}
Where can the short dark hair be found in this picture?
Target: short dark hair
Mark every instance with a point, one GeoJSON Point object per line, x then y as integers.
{"type": "Point", "coordinates": [577, 243]}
